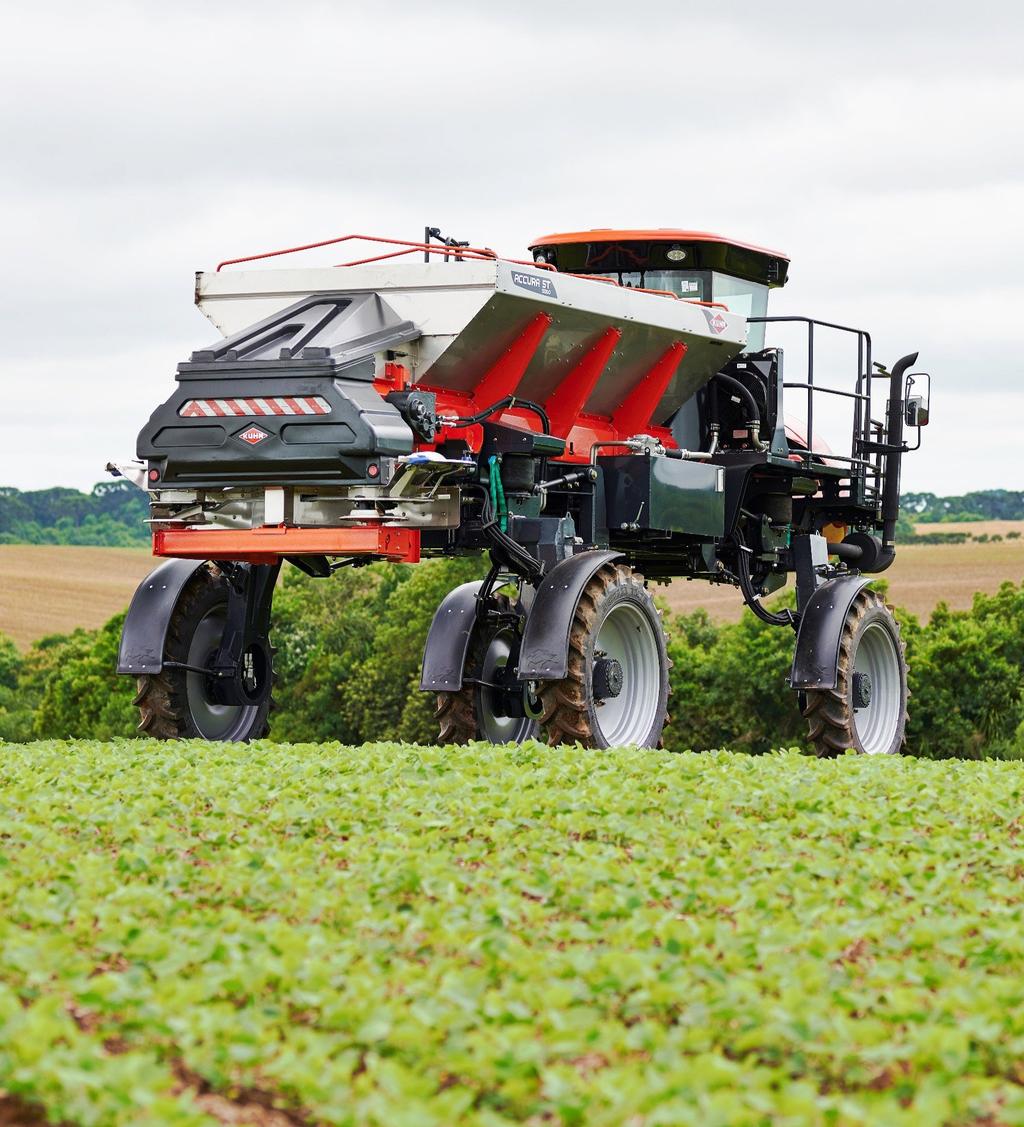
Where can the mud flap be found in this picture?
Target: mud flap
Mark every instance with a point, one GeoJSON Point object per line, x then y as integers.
{"type": "Point", "coordinates": [816, 660]}
{"type": "Point", "coordinates": [145, 626]}
{"type": "Point", "coordinates": [544, 655]}
{"type": "Point", "coordinates": [444, 655]}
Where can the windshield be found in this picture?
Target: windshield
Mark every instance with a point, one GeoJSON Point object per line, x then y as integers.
{"type": "Point", "coordinates": [748, 299]}
{"type": "Point", "coordinates": [689, 284]}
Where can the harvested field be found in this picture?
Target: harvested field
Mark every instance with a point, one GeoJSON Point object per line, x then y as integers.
{"type": "Point", "coordinates": [48, 589]}
{"type": "Point", "coordinates": [923, 575]}
{"type": "Point", "coordinates": [973, 527]}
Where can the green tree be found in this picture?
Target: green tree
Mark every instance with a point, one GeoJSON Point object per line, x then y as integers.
{"type": "Point", "coordinates": [83, 696]}
{"type": "Point", "coordinates": [383, 695]}
{"type": "Point", "coordinates": [15, 706]}
{"type": "Point", "coordinates": [729, 685]}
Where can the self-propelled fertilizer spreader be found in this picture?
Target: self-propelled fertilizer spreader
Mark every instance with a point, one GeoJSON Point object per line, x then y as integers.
{"type": "Point", "coordinates": [605, 411]}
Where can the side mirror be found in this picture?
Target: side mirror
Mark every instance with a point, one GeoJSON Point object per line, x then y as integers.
{"type": "Point", "coordinates": [917, 410]}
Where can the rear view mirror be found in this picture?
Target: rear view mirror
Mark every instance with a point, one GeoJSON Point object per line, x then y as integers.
{"type": "Point", "coordinates": [917, 411]}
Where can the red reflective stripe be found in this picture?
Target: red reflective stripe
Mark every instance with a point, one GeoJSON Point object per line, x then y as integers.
{"type": "Point", "coordinates": [262, 405]}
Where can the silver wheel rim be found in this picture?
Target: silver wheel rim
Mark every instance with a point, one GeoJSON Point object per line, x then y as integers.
{"type": "Point", "coordinates": [877, 723]}
{"type": "Point", "coordinates": [628, 636]}
{"type": "Point", "coordinates": [213, 721]}
{"type": "Point", "coordinates": [494, 728]}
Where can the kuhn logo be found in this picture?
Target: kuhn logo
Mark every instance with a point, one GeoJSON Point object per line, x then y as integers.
{"type": "Point", "coordinates": [534, 283]}
{"type": "Point", "coordinates": [252, 435]}
{"type": "Point", "coordinates": [716, 322]}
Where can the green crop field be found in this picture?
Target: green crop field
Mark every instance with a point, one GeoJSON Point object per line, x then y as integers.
{"type": "Point", "coordinates": [403, 936]}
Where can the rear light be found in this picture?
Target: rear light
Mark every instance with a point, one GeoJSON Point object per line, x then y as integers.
{"type": "Point", "coordinates": [255, 405]}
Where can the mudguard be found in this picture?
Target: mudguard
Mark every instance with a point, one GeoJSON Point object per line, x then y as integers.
{"type": "Point", "coordinates": [444, 655]}
{"type": "Point", "coordinates": [544, 654]}
{"type": "Point", "coordinates": [816, 660]}
{"type": "Point", "coordinates": [145, 626]}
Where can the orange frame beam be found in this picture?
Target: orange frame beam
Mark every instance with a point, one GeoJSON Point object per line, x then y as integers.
{"type": "Point", "coordinates": [271, 543]}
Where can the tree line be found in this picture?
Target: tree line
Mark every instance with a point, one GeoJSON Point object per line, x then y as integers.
{"type": "Point", "coordinates": [349, 648]}
{"type": "Point", "coordinates": [113, 515]}
{"type": "Point", "coordinates": [985, 504]}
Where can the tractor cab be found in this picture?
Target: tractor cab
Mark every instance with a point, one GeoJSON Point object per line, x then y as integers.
{"type": "Point", "coordinates": [693, 265]}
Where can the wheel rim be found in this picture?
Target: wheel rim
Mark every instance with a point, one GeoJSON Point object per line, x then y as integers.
{"type": "Point", "coordinates": [628, 636]}
{"type": "Point", "coordinates": [494, 727]}
{"type": "Point", "coordinates": [878, 721]}
{"type": "Point", "coordinates": [212, 720]}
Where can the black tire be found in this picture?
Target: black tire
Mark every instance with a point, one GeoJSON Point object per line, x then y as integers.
{"type": "Point", "coordinates": [871, 644]}
{"type": "Point", "coordinates": [173, 704]}
{"type": "Point", "coordinates": [466, 715]}
{"type": "Point", "coordinates": [615, 605]}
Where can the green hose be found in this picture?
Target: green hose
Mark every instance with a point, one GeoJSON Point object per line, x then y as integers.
{"type": "Point", "coordinates": [498, 492]}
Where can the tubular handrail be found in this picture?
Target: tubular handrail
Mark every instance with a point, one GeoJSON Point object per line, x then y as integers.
{"type": "Point", "coordinates": [478, 254]}
{"type": "Point", "coordinates": [829, 391]}
{"type": "Point", "coordinates": [472, 254]}
{"type": "Point", "coordinates": [861, 396]}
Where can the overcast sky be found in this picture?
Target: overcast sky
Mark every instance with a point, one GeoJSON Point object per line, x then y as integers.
{"type": "Point", "coordinates": [880, 146]}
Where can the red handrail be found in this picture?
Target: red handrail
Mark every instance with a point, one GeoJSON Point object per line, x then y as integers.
{"type": "Point", "coordinates": [478, 254]}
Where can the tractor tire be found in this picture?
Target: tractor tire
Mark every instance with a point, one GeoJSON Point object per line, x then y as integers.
{"type": "Point", "coordinates": [867, 710]}
{"type": "Point", "coordinates": [175, 704]}
{"type": "Point", "coordinates": [468, 714]}
{"type": "Point", "coordinates": [615, 692]}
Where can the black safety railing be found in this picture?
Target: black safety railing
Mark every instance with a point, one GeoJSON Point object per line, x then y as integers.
{"type": "Point", "coordinates": [866, 473]}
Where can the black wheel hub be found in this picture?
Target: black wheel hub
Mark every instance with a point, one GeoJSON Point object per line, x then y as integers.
{"type": "Point", "coordinates": [248, 683]}
{"type": "Point", "coordinates": [607, 679]}
{"type": "Point", "coordinates": [861, 690]}
{"type": "Point", "coordinates": [508, 700]}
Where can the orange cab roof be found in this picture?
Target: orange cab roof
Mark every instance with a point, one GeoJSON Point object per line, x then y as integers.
{"type": "Point", "coordinates": [655, 235]}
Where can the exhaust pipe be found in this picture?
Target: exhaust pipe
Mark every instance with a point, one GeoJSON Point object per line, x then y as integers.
{"type": "Point", "coordinates": [893, 459]}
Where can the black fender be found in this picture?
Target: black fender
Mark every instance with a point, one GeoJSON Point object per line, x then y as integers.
{"type": "Point", "coordinates": [444, 654]}
{"type": "Point", "coordinates": [145, 626]}
{"type": "Point", "coordinates": [816, 660]}
{"type": "Point", "coordinates": [544, 654]}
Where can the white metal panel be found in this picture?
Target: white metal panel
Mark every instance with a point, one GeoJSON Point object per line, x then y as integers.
{"type": "Point", "coordinates": [550, 287]}
{"type": "Point", "coordinates": [440, 298]}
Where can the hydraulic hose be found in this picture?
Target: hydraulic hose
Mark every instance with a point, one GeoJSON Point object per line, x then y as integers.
{"type": "Point", "coordinates": [508, 401]}
{"type": "Point", "coordinates": [751, 597]}
{"type": "Point", "coordinates": [753, 414]}
{"type": "Point", "coordinates": [504, 549]}
{"type": "Point", "coordinates": [498, 492]}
